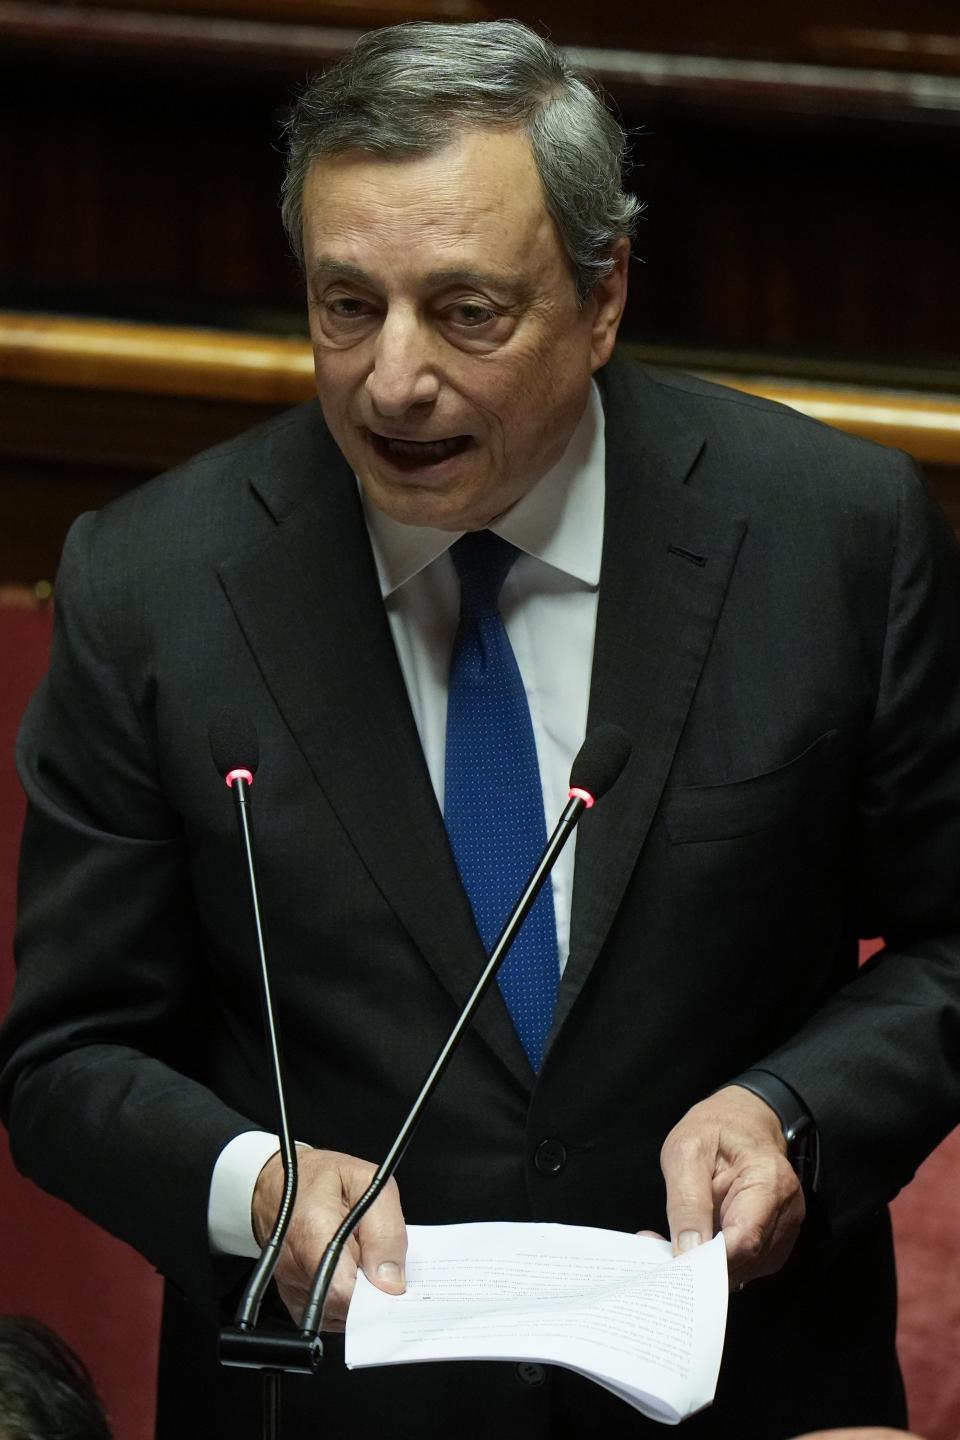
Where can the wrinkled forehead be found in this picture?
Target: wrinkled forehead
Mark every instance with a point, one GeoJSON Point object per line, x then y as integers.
{"type": "Point", "coordinates": [474, 204]}
{"type": "Point", "coordinates": [486, 178]}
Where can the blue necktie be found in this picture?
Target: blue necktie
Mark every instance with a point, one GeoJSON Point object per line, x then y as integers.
{"type": "Point", "coordinates": [493, 800]}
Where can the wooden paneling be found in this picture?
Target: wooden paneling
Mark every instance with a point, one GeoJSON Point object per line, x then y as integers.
{"type": "Point", "coordinates": [881, 63]}
{"type": "Point", "coordinates": [926, 426]}
{"type": "Point", "coordinates": [38, 352]}
{"type": "Point", "coordinates": [791, 205]}
{"type": "Point", "coordinates": [154, 360]}
{"type": "Point", "coordinates": [364, 13]}
{"type": "Point", "coordinates": [89, 409]}
{"type": "Point", "coordinates": [859, 32]}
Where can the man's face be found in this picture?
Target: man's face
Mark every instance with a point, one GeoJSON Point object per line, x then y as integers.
{"type": "Point", "coordinates": [452, 359]}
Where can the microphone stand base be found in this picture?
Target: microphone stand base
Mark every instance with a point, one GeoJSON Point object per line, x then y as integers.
{"type": "Point", "coordinates": [263, 1350]}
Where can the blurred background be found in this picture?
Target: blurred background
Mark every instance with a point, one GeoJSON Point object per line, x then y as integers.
{"type": "Point", "coordinates": [800, 169]}
{"type": "Point", "coordinates": [799, 165]}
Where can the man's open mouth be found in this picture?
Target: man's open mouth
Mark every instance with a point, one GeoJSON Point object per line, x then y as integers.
{"type": "Point", "coordinates": [415, 454]}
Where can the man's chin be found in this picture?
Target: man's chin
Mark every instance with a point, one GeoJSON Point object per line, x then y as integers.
{"type": "Point", "coordinates": [414, 501]}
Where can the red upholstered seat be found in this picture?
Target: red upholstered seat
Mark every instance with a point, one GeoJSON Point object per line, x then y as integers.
{"type": "Point", "coordinates": [925, 1229]}
{"type": "Point", "coordinates": [57, 1266]}
{"type": "Point", "coordinates": [926, 1225]}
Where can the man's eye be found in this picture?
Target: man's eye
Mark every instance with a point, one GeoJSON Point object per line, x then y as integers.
{"type": "Point", "coordinates": [471, 315]}
{"type": "Point", "coordinates": [347, 307]}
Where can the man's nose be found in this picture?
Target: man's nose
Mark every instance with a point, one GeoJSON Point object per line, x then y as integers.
{"type": "Point", "coordinates": [404, 371]}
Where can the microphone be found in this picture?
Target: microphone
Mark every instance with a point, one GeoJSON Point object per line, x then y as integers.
{"type": "Point", "coordinates": [234, 746]}
{"type": "Point", "coordinates": [236, 753]}
{"type": "Point", "coordinates": [599, 763]}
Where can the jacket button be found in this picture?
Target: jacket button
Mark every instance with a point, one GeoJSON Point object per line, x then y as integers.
{"type": "Point", "coordinates": [550, 1157]}
{"type": "Point", "coordinates": [529, 1374]}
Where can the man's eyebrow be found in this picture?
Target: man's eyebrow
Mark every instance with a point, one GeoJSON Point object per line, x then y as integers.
{"type": "Point", "coordinates": [435, 280]}
{"type": "Point", "coordinates": [483, 279]}
{"type": "Point", "coordinates": [325, 265]}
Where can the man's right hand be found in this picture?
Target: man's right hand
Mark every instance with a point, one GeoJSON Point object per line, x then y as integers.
{"type": "Point", "coordinates": [329, 1184]}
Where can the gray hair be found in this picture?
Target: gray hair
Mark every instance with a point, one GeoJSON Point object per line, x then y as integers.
{"type": "Point", "coordinates": [404, 90]}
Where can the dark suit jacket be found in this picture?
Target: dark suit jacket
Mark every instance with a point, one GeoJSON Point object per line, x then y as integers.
{"type": "Point", "coordinates": [779, 631]}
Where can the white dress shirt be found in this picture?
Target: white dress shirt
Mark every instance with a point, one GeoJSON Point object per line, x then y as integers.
{"type": "Point", "coordinates": [549, 608]}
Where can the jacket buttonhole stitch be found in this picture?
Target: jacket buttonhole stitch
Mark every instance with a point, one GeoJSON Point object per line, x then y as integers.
{"type": "Point", "coordinates": [687, 555]}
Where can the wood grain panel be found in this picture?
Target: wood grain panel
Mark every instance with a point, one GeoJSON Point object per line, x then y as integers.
{"type": "Point", "coordinates": [90, 409]}
{"type": "Point", "coordinates": [791, 205]}
{"type": "Point", "coordinates": [154, 359]}
{"type": "Point", "coordinates": [861, 32]}
{"type": "Point", "coordinates": [161, 361]}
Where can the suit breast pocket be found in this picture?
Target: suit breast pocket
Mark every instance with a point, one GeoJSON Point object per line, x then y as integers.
{"type": "Point", "coordinates": [760, 802]}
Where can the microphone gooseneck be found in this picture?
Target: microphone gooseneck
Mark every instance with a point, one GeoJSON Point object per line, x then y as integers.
{"type": "Point", "coordinates": [599, 762]}
{"type": "Point", "coordinates": [236, 753]}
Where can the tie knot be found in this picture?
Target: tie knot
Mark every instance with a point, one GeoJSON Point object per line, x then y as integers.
{"type": "Point", "coordinates": [482, 560]}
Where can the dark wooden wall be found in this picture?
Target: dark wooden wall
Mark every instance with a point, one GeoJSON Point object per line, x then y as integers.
{"type": "Point", "coordinates": [799, 166]}
{"type": "Point", "coordinates": [794, 205]}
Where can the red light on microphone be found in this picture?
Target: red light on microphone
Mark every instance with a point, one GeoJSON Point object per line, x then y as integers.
{"type": "Point", "coordinates": [577, 794]}
{"type": "Point", "coordinates": [232, 775]}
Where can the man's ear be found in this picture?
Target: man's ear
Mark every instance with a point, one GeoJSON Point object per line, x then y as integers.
{"type": "Point", "coordinates": [607, 300]}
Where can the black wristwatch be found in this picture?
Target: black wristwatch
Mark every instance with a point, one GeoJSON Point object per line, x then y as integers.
{"type": "Point", "coordinates": [797, 1124]}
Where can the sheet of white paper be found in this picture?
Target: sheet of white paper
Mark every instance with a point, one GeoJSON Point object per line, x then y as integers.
{"type": "Point", "coordinates": [613, 1306]}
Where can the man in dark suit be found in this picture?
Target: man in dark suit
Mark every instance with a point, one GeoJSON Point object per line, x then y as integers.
{"type": "Point", "coordinates": [772, 612]}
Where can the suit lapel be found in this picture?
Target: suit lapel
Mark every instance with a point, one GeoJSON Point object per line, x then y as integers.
{"type": "Point", "coordinates": [309, 604]}
{"type": "Point", "coordinates": [668, 557]}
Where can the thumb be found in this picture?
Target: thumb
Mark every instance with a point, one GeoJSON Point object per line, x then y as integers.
{"type": "Point", "coordinates": [689, 1180]}
{"type": "Point", "coordinates": [382, 1237]}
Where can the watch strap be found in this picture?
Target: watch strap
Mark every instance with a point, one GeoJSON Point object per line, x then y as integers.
{"type": "Point", "coordinates": [796, 1122]}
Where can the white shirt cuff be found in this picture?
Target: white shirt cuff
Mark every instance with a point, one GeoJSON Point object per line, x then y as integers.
{"type": "Point", "coordinates": [229, 1221]}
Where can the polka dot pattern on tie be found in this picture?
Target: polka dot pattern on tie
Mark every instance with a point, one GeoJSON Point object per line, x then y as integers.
{"type": "Point", "coordinates": [493, 799]}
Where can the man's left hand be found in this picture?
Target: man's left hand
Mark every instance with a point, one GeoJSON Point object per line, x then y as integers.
{"type": "Point", "coordinates": [726, 1168]}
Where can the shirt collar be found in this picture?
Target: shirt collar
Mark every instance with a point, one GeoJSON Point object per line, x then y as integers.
{"type": "Point", "coordinates": [559, 521]}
